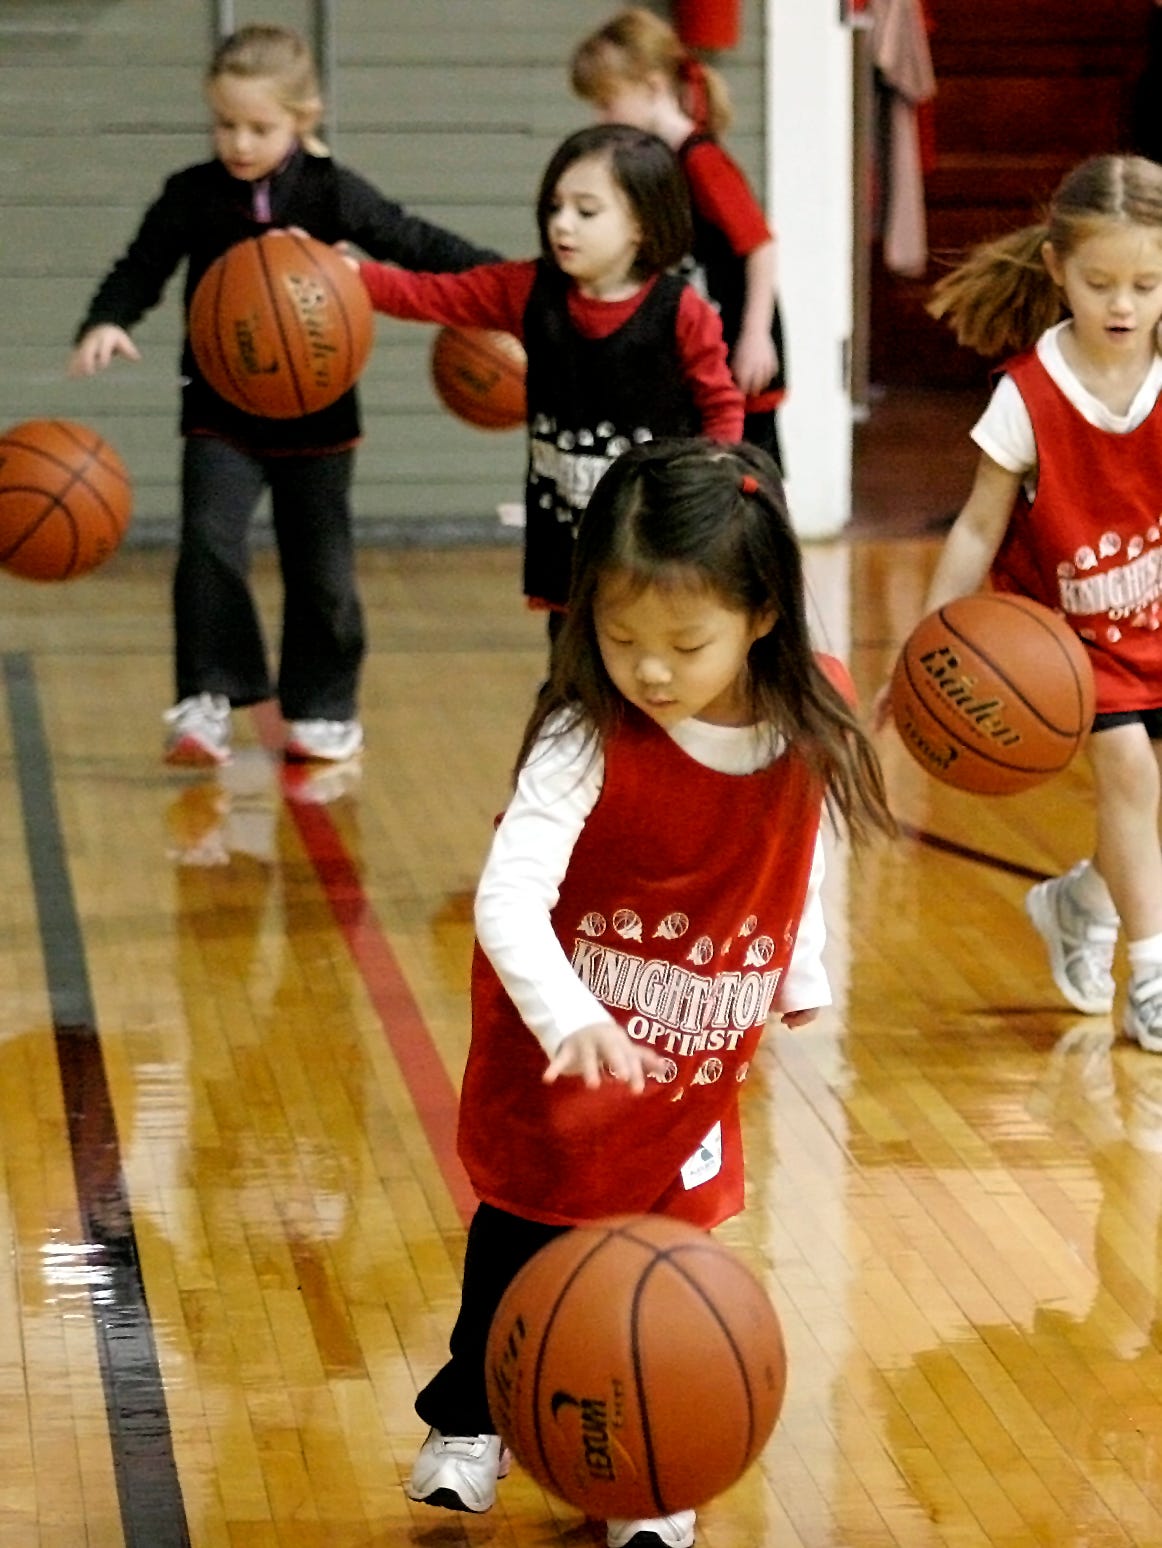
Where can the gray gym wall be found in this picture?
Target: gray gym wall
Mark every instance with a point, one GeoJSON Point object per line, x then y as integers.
{"type": "Point", "coordinates": [451, 107]}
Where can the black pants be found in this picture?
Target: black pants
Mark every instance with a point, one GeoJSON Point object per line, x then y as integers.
{"type": "Point", "coordinates": [219, 645]}
{"type": "Point", "coordinates": [499, 1245]}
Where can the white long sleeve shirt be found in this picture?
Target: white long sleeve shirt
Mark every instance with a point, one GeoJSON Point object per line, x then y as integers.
{"type": "Point", "coordinates": [556, 790]}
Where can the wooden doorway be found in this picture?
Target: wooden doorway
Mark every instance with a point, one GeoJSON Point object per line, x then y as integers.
{"type": "Point", "coordinates": [1024, 90]}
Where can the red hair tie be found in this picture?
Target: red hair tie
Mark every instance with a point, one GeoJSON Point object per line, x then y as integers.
{"type": "Point", "coordinates": [748, 485]}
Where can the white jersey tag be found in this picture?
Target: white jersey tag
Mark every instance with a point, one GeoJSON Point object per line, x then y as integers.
{"type": "Point", "coordinates": [706, 1162]}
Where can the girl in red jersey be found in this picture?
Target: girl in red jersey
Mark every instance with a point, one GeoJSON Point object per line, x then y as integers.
{"type": "Point", "coordinates": [619, 351]}
{"type": "Point", "coordinates": [651, 897]}
{"type": "Point", "coordinates": [635, 70]}
{"type": "Point", "coordinates": [1065, 508]}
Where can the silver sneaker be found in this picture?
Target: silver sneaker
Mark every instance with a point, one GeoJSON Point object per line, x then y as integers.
{"type": "Point", "coordinates": [676, 1531]}
{"type": "Point", "coordinates": [1081, 945]}
{"type": "Point", "coordinates": [458, 1472]}
{"type": "Point", "coordinates": [199, 731]}
{"type": "Point", "coordinates": [323, 741]}
{"type": "Point", "coordinates": [1143, 1015]}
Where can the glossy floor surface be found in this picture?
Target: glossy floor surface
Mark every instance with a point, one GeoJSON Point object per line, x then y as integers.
{"type": "Point", "coordinates": [232, 1022]}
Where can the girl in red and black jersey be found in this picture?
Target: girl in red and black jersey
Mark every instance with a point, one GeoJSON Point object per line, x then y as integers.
{"type": "Point", "coordinates": [650, 900]}
{"type": "Point", "coordinates": [635, 70]}
{"type": "Point", "coordinates": [1066, 507]}
{"type": "Point", "coordinates": [619, 350]}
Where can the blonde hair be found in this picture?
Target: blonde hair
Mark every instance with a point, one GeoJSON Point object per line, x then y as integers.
{"type": "Point", "coordinates": [634, 44]}
{"type": "Point", "coordinates": [283, 57]}
{"type": "Point", "coordinates": [1001, 297]}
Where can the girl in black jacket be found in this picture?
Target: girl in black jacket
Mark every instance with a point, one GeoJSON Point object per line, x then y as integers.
{"type": "Point", "coordinates": [270, 170]}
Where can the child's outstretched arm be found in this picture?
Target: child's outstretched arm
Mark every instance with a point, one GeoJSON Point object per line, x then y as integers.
{"type": "Point", "coordinates": [135, 283]}
{"type": "Point", "coordinates": [754, 359]}
{"type": "Point", "coordinates": [975, 535]}
{"type": "Point", "coordinates": [492, 296]}
{"type": "Point", "coordinates": [968, 552]}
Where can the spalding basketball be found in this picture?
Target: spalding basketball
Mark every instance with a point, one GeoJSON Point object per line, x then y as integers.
{"type": "Point", "coordinates": [993, 693]}
{"type": "Point", "coordinates": [635, 1367]}
{"type": "Point", "coordinates": [280, 325]}
{"type": "Point", "coordinates": [65, 499]}
{"type": "Point", "coordinates": [479, 374]}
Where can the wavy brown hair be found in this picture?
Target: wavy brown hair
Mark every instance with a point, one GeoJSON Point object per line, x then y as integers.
{"type": "Point", "coordinates": [1001, 298]}
{"type": "Point", "coordinates": [634, 44]}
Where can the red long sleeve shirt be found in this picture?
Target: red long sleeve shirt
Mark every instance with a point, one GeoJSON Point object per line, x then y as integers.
{"type": "Point", "coordinates": [495, 295]}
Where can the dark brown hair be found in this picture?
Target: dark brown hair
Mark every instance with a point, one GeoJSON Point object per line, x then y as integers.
{"type": "Point", "coordinates": [697, 513]}
{"type": "Point", "coordinates": [647, 172]}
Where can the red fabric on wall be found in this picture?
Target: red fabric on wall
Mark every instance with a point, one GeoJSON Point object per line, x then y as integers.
{"type": "Point", "coordinates": [710, 24]}
{"type": "Point", "coordinates": [926, 111]}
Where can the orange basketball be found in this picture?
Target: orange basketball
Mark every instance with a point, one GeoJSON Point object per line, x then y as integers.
{"type": "Point", "coordinates": [635, 1367]}
{"type": "Point", "coordinates": [65, 499]}
{"type": "Point", "coordinates": [479, 374]}
{"type": "Point", "coordinates": [993, 693]}
{"type": "Point", "coordinates": [280, 325]}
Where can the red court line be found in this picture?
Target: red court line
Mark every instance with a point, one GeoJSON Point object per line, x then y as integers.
{"type": "Point", "coordinates": [432, 1092]}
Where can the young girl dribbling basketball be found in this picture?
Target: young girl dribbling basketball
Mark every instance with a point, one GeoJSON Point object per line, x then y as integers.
{"type": "Point", "coordinates": [269, 170]}
{"type": "Point", "coordinates": [619, 351]}
{"type": "Point", "coordinates": [635, 70]}
{"type": "Point", "coordinates": [651, 897]}
{"type": "Point", "coordinates": [1065, 508]}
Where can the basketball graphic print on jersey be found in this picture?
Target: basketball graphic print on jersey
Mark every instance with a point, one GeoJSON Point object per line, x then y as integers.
{"type": "Point", "coordinates": [683, 1013]}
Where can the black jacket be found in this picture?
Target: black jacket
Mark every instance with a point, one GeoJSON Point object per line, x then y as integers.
{"type": "Point", "coordinates": [202, 211]}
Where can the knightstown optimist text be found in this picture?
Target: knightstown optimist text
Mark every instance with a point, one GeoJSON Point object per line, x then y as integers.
{"type": "Point", "coordinates": [675, 1010]}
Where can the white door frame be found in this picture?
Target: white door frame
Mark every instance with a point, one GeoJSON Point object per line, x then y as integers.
{"type": "Point", "coordinates": [809, 196]}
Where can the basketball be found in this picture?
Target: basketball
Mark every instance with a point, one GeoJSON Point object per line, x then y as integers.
{"type": "Point", "coordinates": [280, 325]}
{"type": "Point", "coordinates": [993, 693]}
{"type": "Point", "coordinates": [635, 1367]}
{"type": "Point", "coordinates": [65, 499]}
{"type": "Point", "coordinates": [479, 373]}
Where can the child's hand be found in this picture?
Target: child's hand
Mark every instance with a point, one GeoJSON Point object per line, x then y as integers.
{"type": "Point", "coordinates": [754, 361]}
{"type": "Point", "coordinates": [799, 1018]}
{"type": "Point", "coordinates": [98, 347]}
{"type": "Point", "coordinates": [606, 1046]}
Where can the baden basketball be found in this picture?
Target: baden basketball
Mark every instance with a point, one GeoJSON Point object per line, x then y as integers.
{"type": "Point", "coordinates": [280, 325]}
{"type": "Point", "coordinates": [479, 374]}
{"type": "Point", "coordinates": [635, 1367]}
{"type": "Point", "coordinates": [993, 693]}
{"type": "Point", "coordinates": [65, 499]}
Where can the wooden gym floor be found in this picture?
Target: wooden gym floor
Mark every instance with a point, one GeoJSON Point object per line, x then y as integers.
{"type": "Point", "coordinates": [232, 1020]}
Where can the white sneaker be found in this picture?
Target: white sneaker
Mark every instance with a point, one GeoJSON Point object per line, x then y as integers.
{"type": "Point", "coordinates": [458, 1472]}
{"type": "Point", "coordinates": [199, 734]}
{"type": "Point", "coordinates": [676, 1531]}
{"type": "Point", "coordinates": [1081, 945]}
{"type": "Point", "coordinates": [318, 784]}
{"type": "Point", "coordinates": [323, 741]}
{"type": "Point", "coordinates": [1143, 1015]}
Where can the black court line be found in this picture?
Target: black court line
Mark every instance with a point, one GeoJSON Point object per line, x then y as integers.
{"type": "Point", "coordinates": [152, 1510]}
{"type": "Point", "coordinates": [966, 852]}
